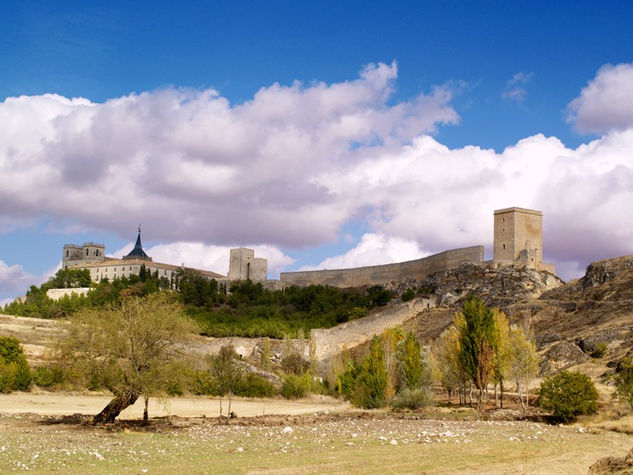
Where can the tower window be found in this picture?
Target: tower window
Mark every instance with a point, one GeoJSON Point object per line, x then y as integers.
{"type": "Point", "coordinates": [86, 252]}
{"type": "Point", "coordinates": [67, 253]}
{"type": "Point", "coordinates": [504, 246]}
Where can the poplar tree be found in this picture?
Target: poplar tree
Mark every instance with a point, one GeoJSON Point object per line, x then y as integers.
{"type": "Point", "coordinates": [477, 343]}
{"type": "Point", "coordinates": [371, 382]}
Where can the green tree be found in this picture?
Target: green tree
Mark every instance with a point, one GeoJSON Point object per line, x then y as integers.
{"type": "Point", "coordinates": [132, 349]}
{"type": "Point", "coordinates": [445, 356]}
{"type": "Point", "coordinates": [624, 383]}
{"type": "Point", "coordinates": [567, 395]}
{"type": "Point", "coordinates": [371, 382]}
{"type": "Point", "coordinates": [15, 373]}
{"type": "Point", "coordinates": [477, 344]}
{"type": "Point", "coordinates": [502, 358]}
{"type": "Point", "coordinates": [409, 363]}
{"type": "Point", "coordinates": [523, 362]}
{"type": "Point", "coordinates": [227, 372]}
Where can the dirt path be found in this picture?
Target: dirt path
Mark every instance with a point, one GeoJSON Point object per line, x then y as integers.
{"type": "Point", "coordinates": [59, 405]}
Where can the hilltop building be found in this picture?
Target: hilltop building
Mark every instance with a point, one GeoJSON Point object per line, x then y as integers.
{"type": "Point", "coordinates": [518, 241]}
{"type": "Point", "coordinates": [92, 256]}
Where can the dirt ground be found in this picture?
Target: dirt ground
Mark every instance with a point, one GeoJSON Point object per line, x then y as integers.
{"type": "Point", "coordinates": [440, 440]}
{"type": "Point", "coordinates": [59, 404]}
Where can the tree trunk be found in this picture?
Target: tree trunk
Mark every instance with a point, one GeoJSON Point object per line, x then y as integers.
{"type": "Point", "coordinates": [501, 391]}
{"type": "Point", "coordinates": [520, 396]}
{"type": "Point", "coordinates": [114, 407]}
{"type": "Point", "coordinates": [470, 394]}
{"type": "Point", "coordinates": [145, 412]}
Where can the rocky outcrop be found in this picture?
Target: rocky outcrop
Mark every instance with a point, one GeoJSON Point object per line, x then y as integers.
{"type": "Point", "coordinates": [560, 356]}
{"type": "Point", "coordinates": [498, 287]}
{"type": "Point", "coordinates": [600, 272]}
{"type": "Point", "coordinates": [613, 465]}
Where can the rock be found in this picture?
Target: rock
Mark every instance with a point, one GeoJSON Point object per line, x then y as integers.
{"type": "Point", "coordinates": [287, 430]}
{"type": "Point", "coordinates": [496, 287]}
{"type": "Point", "coordinates": [603, 271]}
{"type": "Point", "coordinates": [560, 356]}
{"type": "Point", "coordinates": [613, 464]}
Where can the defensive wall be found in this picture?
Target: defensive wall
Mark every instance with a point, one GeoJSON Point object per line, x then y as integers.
{"type": "Point", "coordinates": [397, 272]}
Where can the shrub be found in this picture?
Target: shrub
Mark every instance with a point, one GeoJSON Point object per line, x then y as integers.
{"type": "Point", "coordinates": [345, 381]}
{"type": "Point", "coordinates": [46, 376]}
{"type": "Point", "coordinates": [294, 363]}
{"type": "Point", "coordinates": [624, 383]}
{"type": "Point", "coordinates": [408, 294]}
{"type": "Point", "coordinates": [371, 382]}
{"type": "Point", "coordinates": [202, 383]}
{"type": "Point", "coordinates": [254, 385]}
{"type": "Point", "coordinates": [599, 351]}
{"type": "Point", "coordinates": [412, 399]}
{"type": "Point", "coordinates": [14, 369]}
{"type": "Point", "coordinates": [294, 387]}
{"type": "Point", "coordinates": [568, 395]}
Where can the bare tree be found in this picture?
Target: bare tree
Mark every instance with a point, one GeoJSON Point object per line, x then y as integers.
{"type": "Point", "coordinates": [132, 349]}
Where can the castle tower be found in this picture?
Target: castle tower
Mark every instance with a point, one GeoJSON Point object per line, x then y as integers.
{"type": "Point", "coordinates": [243, 265]}
{"type": "Point", "coordinates": [518, 237]}
{"type": "Point", "coordinates": [74, 255]}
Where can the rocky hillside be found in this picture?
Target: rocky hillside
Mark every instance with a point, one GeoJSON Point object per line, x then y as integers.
{"type": "Point", "coordinates": [569, 320]}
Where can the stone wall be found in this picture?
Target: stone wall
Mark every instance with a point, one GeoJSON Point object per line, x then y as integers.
{"type": "Point", "coordinates": [372, 275]}
{"type": "Point", "coordinates": [56, 294]}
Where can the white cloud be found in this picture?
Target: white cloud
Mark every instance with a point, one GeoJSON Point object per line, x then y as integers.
{"type": "Point", "coordinates": [192, 166]}
{"type": "Point", "coordinates": [291, 166]}
{"type": "Point", "coordinates": [15, 280]}
{"type": "Point", "coordinates": [515, 89]}
{"type": "Point", "coordinates": [208, 257]}
{"type": "Point", "coordinates": [606, 103]}
{"type": "Point", "coordinates": [443, 198]}
{"type": "Point", "coordinates": [373, 249]}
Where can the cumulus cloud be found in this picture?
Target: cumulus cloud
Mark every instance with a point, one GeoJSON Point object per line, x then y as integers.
{"type": "Point", "coordinates": [15, 280]}
{"type": "Point", "coordinates": [373, 249]}
{"type": "Point", "coordinates": [190, 165]}
{"type": "Point", "coordinates": [515, 89]}
{"type": "Point", "coordinates": [606, 103]}
{"type": "Point", "coordinates": [209, 257]}
{"type": "Point", "coordinates": [288, 168]}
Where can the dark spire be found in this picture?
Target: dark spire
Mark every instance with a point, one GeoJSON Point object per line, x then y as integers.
{"type": "Point", "coordinates": [138, 252]}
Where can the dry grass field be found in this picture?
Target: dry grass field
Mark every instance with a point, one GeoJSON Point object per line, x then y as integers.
{"type": "Point", "coordinates": [439, 441]}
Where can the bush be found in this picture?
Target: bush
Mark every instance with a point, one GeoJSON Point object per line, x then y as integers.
{"type": "Point", "coordinates": [294, 387]}
{"type": "Point", "coordinates": [599, 351]}
{"type": "Point", "coordinates": [408, 294]}
{"type": "Point", "coordinates": [46, 376]}
{"type": "Point", "coordinates": [254, 385]}
{"type": "Point", "coordinates": [412, 399]}
{"type": "Point", "coordinates": [202, 383]}
{"type": "Point", "coordinates": [371, 382]}
{"type": "Point", "coordinates": [624, 383]}
{"type": "Point", "coordinates": [345, 381]}
{"type": "Point", "coordinates": [567, 395]}
{"type": "Point", "coordinates": [294, 363]}
{"type": "Point", "coordinates": [15, 373]}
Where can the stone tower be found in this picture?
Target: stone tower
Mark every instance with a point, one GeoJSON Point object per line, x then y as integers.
{"type": "Point", "coordinates": [518, 237]}
{"type": "Point", "coordinates": [243, 265]}
{"type": "Point", "coordinates": [74, 255]}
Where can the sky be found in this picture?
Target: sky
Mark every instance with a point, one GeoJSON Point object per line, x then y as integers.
{"type": "Point", "coordinates": [322, 134]}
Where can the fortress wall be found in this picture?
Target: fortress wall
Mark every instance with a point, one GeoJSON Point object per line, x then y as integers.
{"type": "Point", "coordinates": [400, 271]}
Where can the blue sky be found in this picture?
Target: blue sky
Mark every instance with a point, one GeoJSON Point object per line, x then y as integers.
{"type": "Point", "coordinates": [491, 74]}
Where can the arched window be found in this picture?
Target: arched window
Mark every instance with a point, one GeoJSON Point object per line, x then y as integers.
{"type": "Point", "coordinates": [86, 252]}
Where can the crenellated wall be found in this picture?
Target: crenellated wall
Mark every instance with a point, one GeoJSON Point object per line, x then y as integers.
{"type": "Point", "coordinates": [400, 271]}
